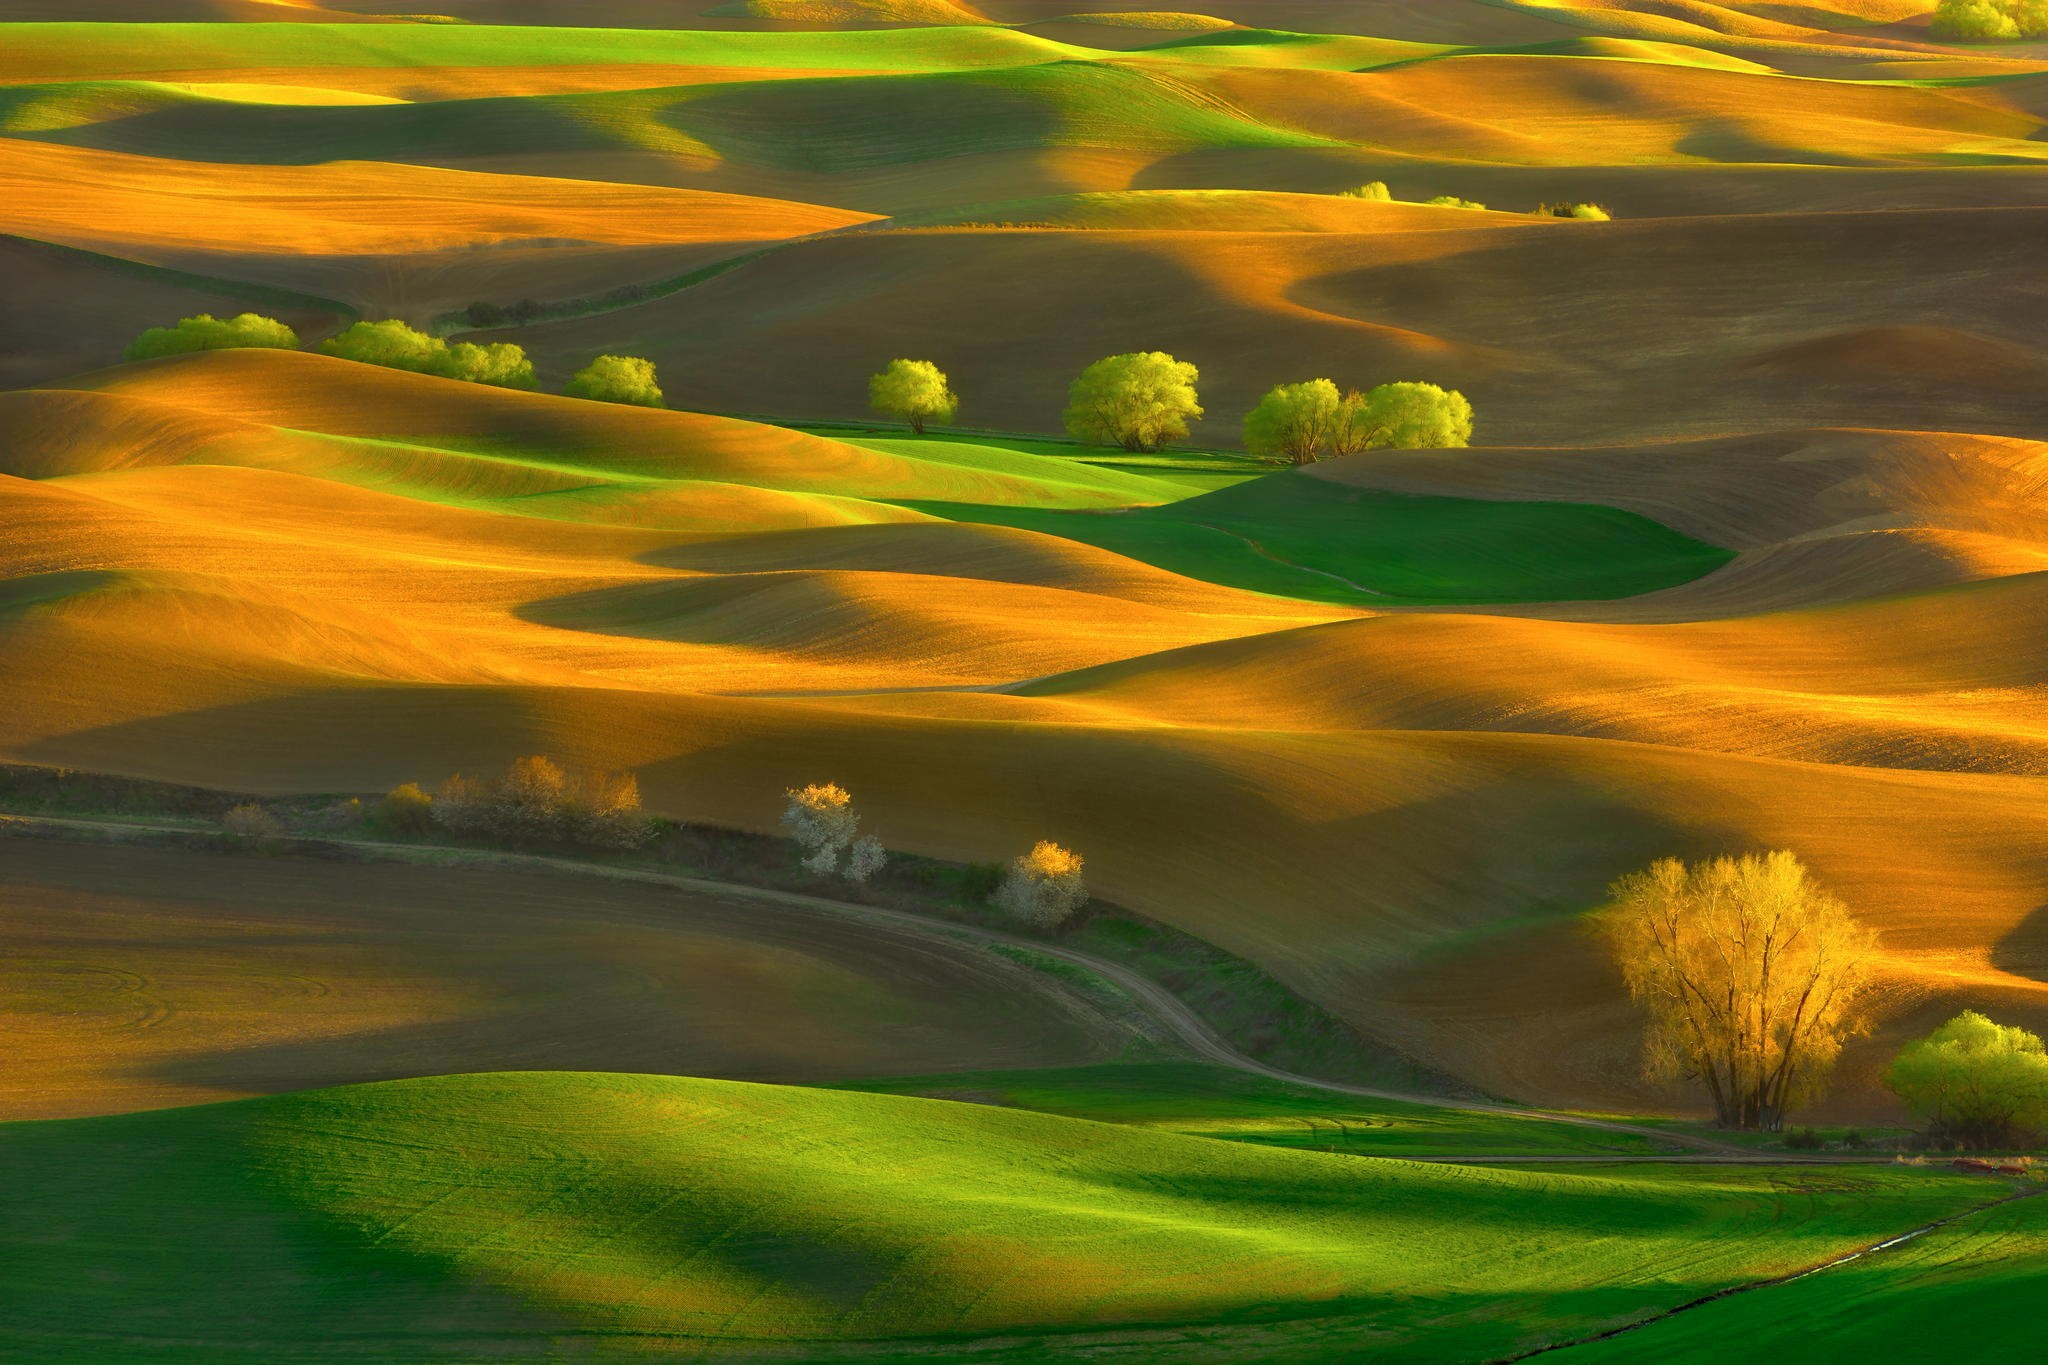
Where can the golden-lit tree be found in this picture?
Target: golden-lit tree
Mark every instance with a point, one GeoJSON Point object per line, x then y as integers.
{"type": "Point", "coordinates": [1044, 887]}
{"type": "Point", "coordinates": [1753, 975]}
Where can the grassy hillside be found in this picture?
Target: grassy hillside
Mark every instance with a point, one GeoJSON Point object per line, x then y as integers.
{"type": "Point", "coordinates": [528, 1215]}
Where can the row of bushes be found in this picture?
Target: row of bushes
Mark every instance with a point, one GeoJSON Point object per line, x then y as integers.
{"type": "Point", "coordinates": [1146, 399]}
{"type": "Point", "coordinates": [537, 802]}
{"type": "Point", "coordinates": [394, 345]}
{"type": "Point", "coordinates": [1377, 192]}
{"type": "Point", "coordinates": [1990, 20]}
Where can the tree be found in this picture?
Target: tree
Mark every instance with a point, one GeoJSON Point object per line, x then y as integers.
{"type": "Point", "coordinates": [205, 332]}
{"type": "Point", "coordinates": [1452, 201]}
{"type": "Point", "coordinates": [1043, 887]}
{"type": "Point", "coordinates": [617, 379]}
{"type": "Point", "coordinates": [914, 390]}
{"type": "Point", "coordinates": [1139, 401]}
{"type": "Point", "coordinates": [1374, 190]}
{"type": "Point", "coordinates": [1752, 973]}
{"type": "Point", "coordinates": [864, 859]}
{"type": "Point", "coordinates": [1975, 1083]}
{"type": "Point", "coordinates": [389, 343]}
{"type": "Point", "coordinates": [1403, 416]}
{"type": "Point", "coordinates": [1294, 421]}
{"type": "Point", "coordinates": [821, 819]}
{"type": "Point", "coordinates": [603, 809]}
{"type": "Point", "coordinates": [1990, 20]}
{"type": "Point", "coordinates": [499, 363]}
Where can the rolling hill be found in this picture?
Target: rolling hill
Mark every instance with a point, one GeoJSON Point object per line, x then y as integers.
{"type": "Point", "coordinates": [531, 1214]}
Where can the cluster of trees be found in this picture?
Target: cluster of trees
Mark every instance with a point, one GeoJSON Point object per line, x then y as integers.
{"type": "Point", "coordinates": [1145, 400]}
{"type": "Point", "coordinates": [209, 333]}
{"type": "Point", "coordinates": [1377, 192]}
{"type": "Point", "coordinates": [395, 345]}
{"type": "Point", "coordinates": [1991, 20]}
{"type": "Point", "coordinates": [1302, 423]}
{"type": "Point", "coordinates": [1754, 976]}
{"type": "Point", "coordinates": [1042, 888]}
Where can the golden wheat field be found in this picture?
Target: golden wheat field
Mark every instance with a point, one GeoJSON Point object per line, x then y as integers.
{"type": "Point", "coordinates": [1748, 549]}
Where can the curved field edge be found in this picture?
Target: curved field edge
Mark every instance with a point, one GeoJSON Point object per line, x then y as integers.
{"type": "Point", "coordinates": [517, 1215]}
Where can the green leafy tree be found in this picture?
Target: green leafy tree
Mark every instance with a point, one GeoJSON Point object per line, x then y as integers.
{"type": "Point", "coordinates": [1294, 422]}
{"type": "Point", "coordinates": [1975, 1083]}
{"type": "Point", "coordinates": [1140, 401]}
{"type": "Point", "coordinates": [1991, 20]}
{"type": "Point", "coordinates": [499, 364]}
{"type": "Point", "coordinates": [1452, 201]}
{"type": "Point", "coordinates": [914, 390]}
{"type": "Point", "coordinates": [389, 343]}
{"type": "Point", "coordinates": [1374, 190]}
{"type": "Point", "coordinates": [209, 333]}
{"type": "Point", "coordinates": [1402, 416]}
{"type": "Point", "coordinates": [1585, 213]}
{"type": "Point", "coordinates": [617, 379]}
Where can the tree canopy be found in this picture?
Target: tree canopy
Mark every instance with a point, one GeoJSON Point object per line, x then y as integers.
{"type": "Point", "coordinates": [1991, 19]}
{"type": "Point", "coordinates": [396, 346]}
{"type": "Point", "coordinates": [1140, 401]}
{"type": "Point", "coordinates": [617, 379]}
{"type": "Point", "coordinates": [916, 391]}
{"type": "Point", "coordinates": [209, 333]}
{"type": "Point", "coordinates": [1752, 973]}
{"type": "Point", "coordinates": [1294, 422]}
{"type": "Point", "coordinates": [1975, 1083]}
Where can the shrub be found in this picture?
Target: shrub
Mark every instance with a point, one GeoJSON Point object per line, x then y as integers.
{"type": "Point", "coordinates": [1805, 1140]}
{"type": "Point", "coordinates": [603, 809]}
{"type": "Point", "coordinates": [481, 314]}
{"type": "Point", "coordinates": [405, 811]}
{"type": "Point", "coordinates": [1140, 401]}
{"type": "Point", "coordinates": [538, 801]}
{"type": "Point", "coordinates": [1043, 887]}
{"type": "Point", "coordinates": [389, 343]}
{"type": "Point", "coordinates": [1990, 20]}
{"type": "Point", "coordinates": [499, 364]}
{"type": "Point", "coordinates": [1294, 421]}
{"type": "Point", "coordinates": [617, 379]}
{"type": "Point", "coordinates": [209, 333]}
{"type": "Point", "coordinates": [248, 821]}
{"type": "Point", "coordinates": [914, 390]}
{"type": "Point", "coordinates": [1452, 201]}
{"type": "Point", "coordinates": [1975, 1083]}
{"type": "Point", "coordinates": [1585, 213]}
{"type": "Point", "coordinates": [1374, 190]}
{"type": "Point", "coordinates": [821, 819]}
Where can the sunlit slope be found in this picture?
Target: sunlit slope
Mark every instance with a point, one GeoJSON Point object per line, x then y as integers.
{"type": "Point", "coordinates": [1555, 330]}
{"type": "Point", "coordinates": [279, 572]}
{"type": "Point", "coordinates": [138, 978]}
{"type": "Point", "coordinates": [535, 1214]}
{"type": "Point", "coordinates": [385, 237]}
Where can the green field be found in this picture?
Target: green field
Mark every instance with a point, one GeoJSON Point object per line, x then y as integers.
{"type": "Point", "coordinates": [587, 1216]}
{"type": "Point", "coordinates": [1300, 537]}
{"type": "Point", "coordinates": [1204, 1100]}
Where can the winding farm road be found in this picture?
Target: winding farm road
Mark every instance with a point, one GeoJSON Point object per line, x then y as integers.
{"type": "Point", "coordinates": [1172, 1015]}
